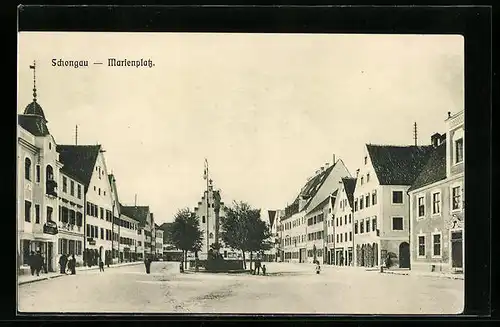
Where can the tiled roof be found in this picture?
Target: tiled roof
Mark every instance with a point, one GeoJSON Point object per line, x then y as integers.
{"type": "Point", "coordinates": [308, 192]}
{"type": "Point", "coordinates": [434, 170]}
{"type": "Point", "coordinates": [138, 213]}
{"type": "Point", "coordinates": [34, 108]}
{"type": "Point", "coordinates": [325, 202]}
{"type": "Point", "coordinates": [349, 186]}
{"type": "Point", "coordinates": [79, 160]}
{"type": "Point", "coordinates": [33, 124]}
{"type": "Point", "coordinates": [398, 165]}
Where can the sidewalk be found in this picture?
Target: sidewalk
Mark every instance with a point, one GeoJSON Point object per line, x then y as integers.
{"type": "Point", "coordinates": [424, 274]}
{"type": "Point", "coordinates": [26, 279]}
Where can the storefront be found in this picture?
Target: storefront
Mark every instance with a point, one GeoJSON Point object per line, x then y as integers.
{"type": "Point", "coordinates": [34, 243]}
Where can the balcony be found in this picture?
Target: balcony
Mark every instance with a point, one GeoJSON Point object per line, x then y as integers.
{"type": "Point", "coordinates": [51, 188]}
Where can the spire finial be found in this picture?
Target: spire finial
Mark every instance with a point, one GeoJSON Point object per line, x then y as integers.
{"type": "Point", "coordinates": [34, 80]}
{"type": "Point", "coordinates": [415, 133]}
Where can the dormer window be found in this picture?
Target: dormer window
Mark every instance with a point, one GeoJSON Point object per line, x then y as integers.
{"type": "Point", "coordinates": [50, 146]}
{"type": "Point", "coordinates": [362, 180]}
{"type": "Point", "coordinates": [50, 173]}
{"type": "Point", "coordinates": [366, 160]}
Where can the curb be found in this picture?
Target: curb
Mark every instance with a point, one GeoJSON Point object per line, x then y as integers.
{"type": "Point", "coordinates": [61, 275]}
{"type": "Point", "coordinates": [438, 276]}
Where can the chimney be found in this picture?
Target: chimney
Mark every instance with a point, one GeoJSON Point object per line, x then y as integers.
{"type": "Point", "coordinates": [327, 165]}
{"type": "Point", "coordinates": [322, 169]}
{"type": "Point", "coordinates": [449, 114]}
{"type": "Point", "coordinates": [333, 159]}
{"type": "Point", "coordinates": [357, 173]}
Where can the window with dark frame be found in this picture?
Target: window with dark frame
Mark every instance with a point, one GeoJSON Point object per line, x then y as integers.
{"type": "Point", "coordinates": [455, 192]}
{"type": "Point", "coordinates": [421, 206]}
{"type": "Point", "coordinates": [49, 213]}
{"type": "Point", "coordinates": [37, 213]}
{"type": "Point", "coordinates": [356, 227]}
{"type": "Point", "coordinates": [38, 173]}
{"type": "Point", "coordinates": [436, 242]}
{"type": "Point", "coordinates": [397, 223]}
{"type": "Point", "coordinates": [374, 198]}
{"type": "Point", "coordinates": [27, 211]}
{"type": "Point", "coordinates": [436, 203]}
{"type": "Point", "coordinates": [459, 150]}
{"type": "Point", "coordinates": [72, 188]}
{"type": "Point", "coordinates": [27, 169]}
{"type": "Point", "coordinates": [421, 246]}
{"type": "Point", "coordinates": [397, 197]}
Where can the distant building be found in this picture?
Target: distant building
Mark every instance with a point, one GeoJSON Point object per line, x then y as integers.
{"type": "Point", "coordinates": [437, 204]}
{"type": "Point", "coordinates": [340, 235]}
{"type": "Point", "coordinates": [209, 212]}
{"type": "Point", "coordinates": [159, 241]}
{"type": "Point", "coordinates": [295, 244]}
{"type": "Point", "coordinates": [145, 228]}
{"type": "Point", "coordinates": [381, 203]}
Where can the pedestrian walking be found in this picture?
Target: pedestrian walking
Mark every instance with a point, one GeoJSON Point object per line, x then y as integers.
{"type": "Point", "coordinates": [257, 266]}
{"type": "Point", "coordinates": [72, 265]}
{"type": "Point", "coordinates": [63, 260]}
{"type": "Point", "coordinates": [101, 265]}
{"type": "Point", "coordinates": [318, 268]}
{"type": "Point", "coordinates": [32, 263]}
{"type": "Point", "coordinates": [181, 267]}
{"type": "Point", "coordinates": [147, 263]}
{"type": "Point", "coordinates": [263, 270]}
{"type": "Point", "coordinates": [38, 263]}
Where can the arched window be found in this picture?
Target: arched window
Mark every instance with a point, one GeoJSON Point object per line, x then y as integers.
{"type": "Point", "coordinates": [49, 173]}
{"type": "Point", "coordinates": [27, 169]}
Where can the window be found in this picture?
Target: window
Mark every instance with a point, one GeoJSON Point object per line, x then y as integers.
{"type": "Point", "coordinates": [38, 173]}
{"type": "Point", "coordinates": [361, 203]}
{"type": "Point", "coordinates": [397, 223]}
{"type": "Point", "coordinates": [350, 236]}
{"type": "Point", "coordinates": [350, 219]}
{"type": "Point", "coordinates": [361, 227]}
{"type": "Point", "coordinates": [102, 233]}
{"type": "Point", "coordinates": [27, 169]}
{"type": "Point", "coordinates": [436, 203]}
{"type": "Point", "coordinates": [340, 221]}
{"type": "Point", "coordinates": [397, 197]}
{"type": "Point", "coordinates": [374, 223]}
{"type": "Point", "coordinates": [356, 227]}
{"type": "Point", "coordinates": [27, 211]}
{"type": "Point", "coordinates": [345, 219]}
{"type": "Point", "coordinates": [50, 146]}
{"type": "Point", "coordinates": [104, 192]}
{"type": "Point", "coordinates": [337, 221]}
{"type": "Point", "coordinates": [203, 219]}
{"type": "Point", "coordinates": [37, 213]}
{"type": "Point", "coordinates": [95, 188]}
{"type": "Point", "coordinates": [101, 212]}
{"type": "Point", "coordinates": [79, 220]}
{"type": "Point", "coordinates": [459, 150]}
{"type": "Point", "coordinates": [72, 189]}
{"type": "Point", "coordinates": [341, 238]}
{"type": "Point", "coordinates": [367, 177]}
{"type": "Point", "coordinates": [50, 173]}
{"type": "Point", "coordinates": [362, 180]}
{"type": "Point", "coordinates": [79, 191]}
{"type": "Point", "coordinates": [356, 205]}
{"type": "Point", "coordinates": [421, 206]}
{"type": "Point", "coordinates": [456, 198]}
{"type": "Point", "coordinates": [421, 246]}
{"type": "Point", "coordinates": [374, 198]}
{"type": "Point", "coordinates": [368, 225]}
{"type": "Point", "coordinates": [367, 200]}
{"type": "Point", "coordinates": [88, 230]}
{"type": "Point", "coordinates": [436, 245]}
{"type": "Point", "coordinates": [49, 213]}
{"type": "Point", "coordinates": [65, 184]}
{"type": "Point", "coordinates": [99, 191]}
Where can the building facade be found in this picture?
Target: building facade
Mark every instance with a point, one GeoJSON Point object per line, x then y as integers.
{"type": "Point", "coordinates": [144, 222]}
{"type": "Point", "coordinates": [381, 203]}
{"type": "Point", "coordinates": [341, 231]}
{"type": "Point", "coordinates": [37, 188]}
{"type": "Point", "coordinates": [70, 222]}
{"type": "Point", "coordinates": [158, 242]}
{"type": "Point", "coordinates": [437, 204]}
{"type": "Point", "coordinates": [295, 230]}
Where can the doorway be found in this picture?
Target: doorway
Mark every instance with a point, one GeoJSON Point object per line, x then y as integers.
{"type": "Point", "coordinates": [302, 255]}
{"type": "Point", "coordinates": [404, 255]}
{"type": "Point", "coordinates": [49, 256]}
{"type": "Point", "coordinates": [456, 250]}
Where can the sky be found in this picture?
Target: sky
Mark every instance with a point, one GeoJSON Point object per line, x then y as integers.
{"type": "Point", "coordinates": [266, 110]}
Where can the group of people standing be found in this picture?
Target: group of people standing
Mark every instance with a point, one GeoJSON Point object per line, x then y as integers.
{"type": "Point", "coordinates": [36, 263]}
{"type": "Point", "coordinates": [67, 263]}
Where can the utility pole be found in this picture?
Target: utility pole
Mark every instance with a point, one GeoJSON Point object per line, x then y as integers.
{"type": "Point", "coordinates": [76, 134]}
{"type": "Point", "coordinates": [415, 132]}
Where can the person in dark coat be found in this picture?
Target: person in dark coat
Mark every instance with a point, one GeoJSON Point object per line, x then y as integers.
{"type": "Point", "coordinates": [38, 262]}
{"type": "Point", "coordinates": [63, 260]}
{"type": "Point", "coordinates": [72, 265]}
{"type": "Point", "coordinates": [101, 265]}
{"type": "Point", "coordinates": [147, 263]}
{"type": "Point", "coordinates": [257, 266]}
{"type": "Point", "coordinates": [32, 263]}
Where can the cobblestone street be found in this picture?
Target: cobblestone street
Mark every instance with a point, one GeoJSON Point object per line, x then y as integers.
{"type": "Point", "coordinates": [289, 288]}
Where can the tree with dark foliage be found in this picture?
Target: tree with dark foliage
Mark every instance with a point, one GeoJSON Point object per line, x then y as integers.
{"type": "Point", "coordinates": [186, 233]}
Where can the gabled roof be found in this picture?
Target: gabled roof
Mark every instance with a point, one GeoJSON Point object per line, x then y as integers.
{"type": "Point", "coordinates": [349, 187]}
{"type": "Point", "coordinates": [308, 192]}
{"type": "Point", "coordinates": [79, 160]}
{"type": "Point", "coordinates": [138, 213]}
{"type": "Point", "coordinates": [33, 124]}
{"type": "Point", "coordinates": [434, 170]}
{"type": "Point", "coordinates": [398, 165]}
{"type": "Point", "coordinates": [325, 201]}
